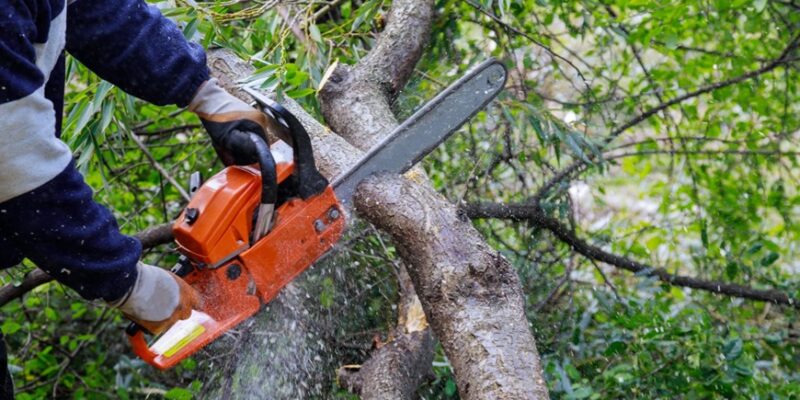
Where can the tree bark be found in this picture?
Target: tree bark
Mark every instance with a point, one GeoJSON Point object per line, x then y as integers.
{"type": "Point", "coordinates": [356, 101]}
{"type": "Point", "coordinates": [470, 293]}
{"type": "Point", "coordinates": [394, 370]}
{"type": "Point", "coordinates": [471, 296]}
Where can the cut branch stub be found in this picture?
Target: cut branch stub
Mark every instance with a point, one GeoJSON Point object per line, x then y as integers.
{"type": "Point", "coordinates": [393, 371]}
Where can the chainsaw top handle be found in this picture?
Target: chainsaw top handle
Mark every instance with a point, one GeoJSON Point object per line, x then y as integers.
{"type": "Point", "coordinates": [266, 163]}
{"type": "Point", "coordinates": [310, 181]}
{"type": "Point", "coordinates": [269, 187]}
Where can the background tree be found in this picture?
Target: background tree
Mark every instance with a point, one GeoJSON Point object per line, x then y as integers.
{"type": "Point", "coordinates": [634, 136]}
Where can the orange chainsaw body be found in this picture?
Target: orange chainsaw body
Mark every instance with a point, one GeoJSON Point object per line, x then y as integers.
{"type": "Point", "coordinates": [234, 277]}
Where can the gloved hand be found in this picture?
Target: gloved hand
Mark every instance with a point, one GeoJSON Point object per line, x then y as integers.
{"type": "Point", "coordinates": [158, 299]}
{"type": "Point", "coordinates": [228, 121]}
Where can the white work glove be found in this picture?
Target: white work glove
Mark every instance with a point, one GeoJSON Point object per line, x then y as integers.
{"type": "Point", "coordinates": [158, 299]}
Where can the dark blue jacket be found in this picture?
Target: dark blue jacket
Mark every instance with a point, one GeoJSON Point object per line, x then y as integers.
{"type": "Point", "coordinates": [47, 213]}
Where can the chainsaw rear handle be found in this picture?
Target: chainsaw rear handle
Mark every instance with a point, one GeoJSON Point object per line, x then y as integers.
{"type": "Point", "coordinates": [138, 342]}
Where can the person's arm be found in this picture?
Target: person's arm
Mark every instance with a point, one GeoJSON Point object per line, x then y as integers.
{"type": "Point", "coordinates": [130, 44]}
{"type": "Point", "coordinates": [133, 46]}
{"type": "Point", "coordinates": [47, 212]}
{"type": "Point", "coordinates": [66, 233]}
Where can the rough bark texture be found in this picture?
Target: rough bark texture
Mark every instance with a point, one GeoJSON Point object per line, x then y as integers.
{"type": "Point", "coordinates": [472, 297]}
{"type": "Point", "coordinates": [394, 370]}
{"type": "Point", "coordinates": [470, 293]}
{"type": "Point", "coordinates": [356, 100]}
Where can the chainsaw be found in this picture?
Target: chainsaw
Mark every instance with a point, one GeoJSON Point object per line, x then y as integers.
{"type": "Point", "coordinates": [249, 230]}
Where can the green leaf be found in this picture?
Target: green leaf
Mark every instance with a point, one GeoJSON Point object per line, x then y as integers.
{"type": "Point", "coordinates": [770, 259]}
{"type": "Point", "coordinates": [732, 349]}
{"type": "Point", "coordinates": [537, 127]}
{"type": "Point", "coordinates": [572, 142]}
{"type": "Point", "coordinates": [178, 394]}
{"type": "Point", "coordinates": [300, 93]}
{"type": "Point", "coordinates": [315, 34]}
{"type": "Point", "coordinates": [616, 347]}
{"type": "Point", "coordinates": [581, 393]}
{"type": "Point", "coordinates": [755, 248]}
{"type": "Point", "coordinates": [450, 388]}
{"type": "Point", "coordinates": [573, 372]}
{"type": "Point", "coordinates": [51, 314]}
{"type": "Point", "coordinates": [191, 28]}
{"type": "Point", "coordinates": [10, 327]}
{"type": "Point", "coordinates": [328, 290]}
{"type": "Point", "coordinates": [731, 269]}
{"type": "Point", "coordinates": [365, 13]}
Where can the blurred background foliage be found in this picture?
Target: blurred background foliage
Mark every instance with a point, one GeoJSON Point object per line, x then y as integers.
{"type": "Point", "coordinates": [706, 187]}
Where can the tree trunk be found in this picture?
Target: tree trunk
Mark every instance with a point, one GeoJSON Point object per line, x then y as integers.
{"type": "Point", "coordinates": [470, 294]}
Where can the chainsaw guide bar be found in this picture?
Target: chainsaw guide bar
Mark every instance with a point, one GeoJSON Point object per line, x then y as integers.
{"type": "Point", "coordinates": [243, 238]}
{"type": "Point", "coordinates": [427, 128]}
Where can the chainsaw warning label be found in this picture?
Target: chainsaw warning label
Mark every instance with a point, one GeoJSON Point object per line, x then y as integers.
{"type": "Point", "coordinates": [180, 334]}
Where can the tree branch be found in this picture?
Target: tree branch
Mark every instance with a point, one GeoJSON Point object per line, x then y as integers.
{"type": "Point", "coordinates": [471, 294]}
{"type": "Point", "coordinates": [783, 59]}
{"type": "Point", "coordinates": [369, 87]}
{"type": "Point", "coordinates": [532, 214]}
{"type": "Point", "coordinates": [489, 342]}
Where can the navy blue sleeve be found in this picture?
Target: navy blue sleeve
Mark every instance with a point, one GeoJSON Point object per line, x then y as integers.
{"type": "Point", "coordinates": [133, 46]}
{"type": "Point", "coordinates": [19, 75]}
{"type": "Point", "coordinates": [60, 228]}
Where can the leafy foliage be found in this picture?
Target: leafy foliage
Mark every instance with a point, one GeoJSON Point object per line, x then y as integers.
{"type": "Point", "coordinates": [704, 187]}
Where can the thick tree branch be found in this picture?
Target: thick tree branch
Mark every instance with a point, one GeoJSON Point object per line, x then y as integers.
{"type": "Point", "coordinates": [396, 370]}
{"type": "Point", "coordinates": [470, 293]}
{"type": "Point", "coordinates": [489, 344]}
{"type": "Point", "coordinates": [367, 89]}
{"type": "Point", "coordinates": [532, 214]}
{"type": "Point", "coordinates": [150, 237]}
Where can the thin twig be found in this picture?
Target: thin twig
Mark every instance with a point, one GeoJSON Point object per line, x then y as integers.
{"type": "Point", "coordinates": [159, 167]}
{"type": "Point", "coordinates": [529, 37]}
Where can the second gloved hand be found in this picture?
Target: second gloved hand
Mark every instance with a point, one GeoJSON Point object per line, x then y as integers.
{"type": "Point", "coordinates": [158, 299]}
{"type": "Point", "coordinates": [228, 121]}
